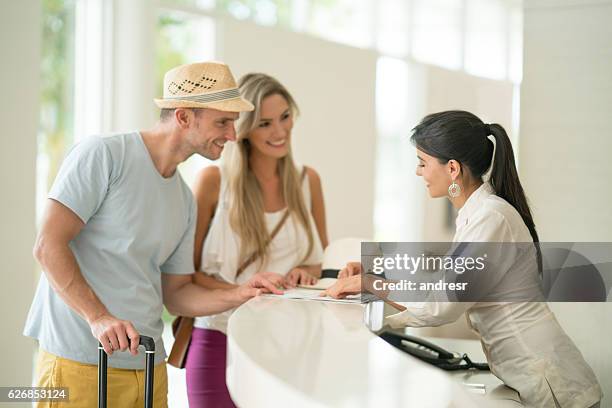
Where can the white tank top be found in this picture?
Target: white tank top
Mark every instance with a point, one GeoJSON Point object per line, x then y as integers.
{"type": "Point", "coordinates": [222, 245]}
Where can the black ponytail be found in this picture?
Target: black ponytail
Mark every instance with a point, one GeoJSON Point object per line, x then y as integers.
{"type": "Point", "coordinates": [462, 136]}
{"type": "Point", "coordinates": [505, 179]}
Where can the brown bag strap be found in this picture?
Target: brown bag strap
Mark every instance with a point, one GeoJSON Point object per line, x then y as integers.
{"type": "Point", "coordinates": [277, 228]}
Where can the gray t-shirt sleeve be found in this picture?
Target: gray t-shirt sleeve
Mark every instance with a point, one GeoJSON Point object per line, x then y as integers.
{"type": "Point", "coordinates": [181, 260]}
{"type": "Point", "coordinates": [84, 177]}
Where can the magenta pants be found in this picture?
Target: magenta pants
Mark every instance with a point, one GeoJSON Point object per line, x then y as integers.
{"type": "Point", "coordinates": [205, 367]}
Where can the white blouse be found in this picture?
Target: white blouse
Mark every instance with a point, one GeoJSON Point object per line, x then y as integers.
{"type": "Point", "coordinates": [525, 345]}
{"type": "Point", "coordinates": [222, 246]}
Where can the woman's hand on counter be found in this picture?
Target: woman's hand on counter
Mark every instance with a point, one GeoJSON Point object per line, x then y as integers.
{"type": "Point", "coordinates": [299, 276]}
{"type": "Point", "coordinates": [269, 282]}
{"type": "Point", "coordinates": [344, 287]}
{"type": "Point", "coordinates": [274, 278]}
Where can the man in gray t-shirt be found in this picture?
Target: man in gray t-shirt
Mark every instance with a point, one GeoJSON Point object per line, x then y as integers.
{"type": "Point", "coordinates": [117, 240]}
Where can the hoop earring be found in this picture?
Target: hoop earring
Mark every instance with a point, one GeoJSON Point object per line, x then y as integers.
{"type": "Point", "coordinates": [454, 190]}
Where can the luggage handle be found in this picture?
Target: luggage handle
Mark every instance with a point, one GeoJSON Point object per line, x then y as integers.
{"type": "Point", "coordinates": [149, 344]}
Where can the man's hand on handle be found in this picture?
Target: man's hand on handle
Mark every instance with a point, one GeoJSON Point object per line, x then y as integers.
{"type": "Point", "coordinates": [115, 334]}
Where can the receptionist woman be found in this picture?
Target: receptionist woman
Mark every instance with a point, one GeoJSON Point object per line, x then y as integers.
{"type": "Point", "coordinates": [472, 163]}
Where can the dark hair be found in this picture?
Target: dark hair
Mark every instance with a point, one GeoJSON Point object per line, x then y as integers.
{"type": "Point", "coordinates": [167, 113]}
{"type": "Point", "coordinates": [462, 136]}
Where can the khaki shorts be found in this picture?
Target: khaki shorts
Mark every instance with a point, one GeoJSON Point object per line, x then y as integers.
{"type": "Point", "coordinates": [125, 387]}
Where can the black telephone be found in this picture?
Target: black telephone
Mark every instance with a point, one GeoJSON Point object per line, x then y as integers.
{"type": "Point", "coordinates": [430, 353]}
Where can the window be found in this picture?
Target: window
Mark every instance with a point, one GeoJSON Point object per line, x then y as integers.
{"type": "Point", "coordinates": [344, 21]}
{"type": "Point", "coordinates": [399, 88]}
{"type": "Point", "coordinates": [57, 93]}
{"type": "Point", "coordinates": [393, 27]}
{"type": "Point", "coordinates": [201, 4]}
{"type": "Point", "coordinates": [437, 32]}
{"type": "Point", "coordinates": [482, 37]}
{"type": "Point", "coordinates": [264, 12]}
{"type": "Point", "coordinates": [486, 34]}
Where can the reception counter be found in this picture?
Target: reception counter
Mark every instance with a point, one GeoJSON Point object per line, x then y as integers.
{"type": "Point", "coordinates": [298, 353]}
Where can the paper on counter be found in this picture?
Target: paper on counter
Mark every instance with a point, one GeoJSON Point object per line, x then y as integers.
{"type": "Point", "coordinates": [321, 284]}
{"type": "Point", "coordinates": [309, 294]}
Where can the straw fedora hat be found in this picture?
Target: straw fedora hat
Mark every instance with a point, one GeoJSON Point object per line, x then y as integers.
{"type": "Point", "coordinates": [202, 85]}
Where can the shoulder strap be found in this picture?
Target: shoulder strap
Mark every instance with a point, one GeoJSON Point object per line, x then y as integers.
{"type": "Point", "coordinates": [275, 231]}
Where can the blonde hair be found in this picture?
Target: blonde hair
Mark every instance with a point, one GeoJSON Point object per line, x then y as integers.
{"type": "Point", "coordinates": [247, 213]}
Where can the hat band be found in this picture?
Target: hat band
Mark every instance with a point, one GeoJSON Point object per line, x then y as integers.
{"type": "Point", "coordinates": [232, 93]}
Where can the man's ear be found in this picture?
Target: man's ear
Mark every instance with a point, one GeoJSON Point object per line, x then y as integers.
{"type": "Point", "coordinates": [454, 169]}
{"type": "Point", "coordinates": [183, 117]}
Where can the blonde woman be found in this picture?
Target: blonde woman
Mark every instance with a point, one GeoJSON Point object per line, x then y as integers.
{"type": "Point", "coordinates": [239, 206]}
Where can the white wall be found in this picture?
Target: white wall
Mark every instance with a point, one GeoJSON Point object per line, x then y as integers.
{"type": "Point", "coordinates": [566, 132]}
{"type": "Point", "coordinates": [335, 134]}
{"type": "Point", "coordinates": [20, 23]}
{"type": "Point", "coordinates": [565, 146]}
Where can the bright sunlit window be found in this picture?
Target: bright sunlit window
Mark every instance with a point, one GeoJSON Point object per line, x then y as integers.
{"type": "Point", "coordinates": [482, 37]}
{"type": "Point", "coordinates": [263, 12]}
{"type": "Point", "coordinates": [393, 27]}
{"type": "Point", "coordinates": [399, 87]}
{"type": "Point", "coordinates": [57, 93]}
{"type": "Point", "coordinates": [345, 21]}
{"type": "Point", "coordinates": [486, 38]}
{"type": "Point", "coordinates": [437, 32]}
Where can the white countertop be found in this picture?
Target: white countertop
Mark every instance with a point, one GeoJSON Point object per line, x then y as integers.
{"type": "Point", "coordinates": [299, 353]}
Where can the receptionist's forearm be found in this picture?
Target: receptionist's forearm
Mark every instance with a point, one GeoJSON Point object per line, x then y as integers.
{"type": "Point", "coordinates": [209, 282]}
{"type": "Point", "coordinates": [373, 284]}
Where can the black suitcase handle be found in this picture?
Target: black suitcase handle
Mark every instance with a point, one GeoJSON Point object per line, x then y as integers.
{"type": "Point", "coordinates": [149, 346]}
